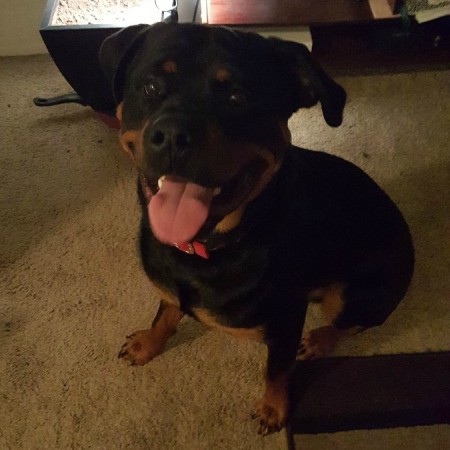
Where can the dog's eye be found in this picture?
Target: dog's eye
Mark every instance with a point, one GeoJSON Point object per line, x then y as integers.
{"type": "Point", "coordinates": [154, 88]}
{"type": "Point", "coordinates": [238, 98]}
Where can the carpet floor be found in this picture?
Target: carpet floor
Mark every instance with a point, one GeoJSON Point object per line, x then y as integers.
{"type": "Point", "coordinates": [71, 286]}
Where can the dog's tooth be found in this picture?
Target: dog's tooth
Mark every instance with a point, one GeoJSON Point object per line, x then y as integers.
{"type": "Point", "coordinates": [217, 191]}
{"type": "Point", "coordinates": [160, 181]}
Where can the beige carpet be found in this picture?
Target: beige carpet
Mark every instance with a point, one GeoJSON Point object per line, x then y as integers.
{"type": "Point", "coordinates": [72, 288]}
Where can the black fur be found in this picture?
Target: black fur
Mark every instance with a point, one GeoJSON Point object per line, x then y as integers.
{"type": "Point", "coordinates": [320, 220]}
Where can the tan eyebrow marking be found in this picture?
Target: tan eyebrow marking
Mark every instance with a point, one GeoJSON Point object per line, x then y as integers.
{"type": "Point", "coordinates": [222, 75]}
{"type": "Point", "coordinates": [169, 66]}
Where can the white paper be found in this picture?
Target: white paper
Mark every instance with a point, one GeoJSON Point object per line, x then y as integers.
{"type": "Point", "coordinates": [432, 14]}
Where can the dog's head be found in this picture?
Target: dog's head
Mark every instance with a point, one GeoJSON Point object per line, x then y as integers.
{"type": "Point", "coordinates": [204, 114]}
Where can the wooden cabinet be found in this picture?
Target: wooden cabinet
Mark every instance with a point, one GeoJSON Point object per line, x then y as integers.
{"type": "Point", "coordinates": [295, 12]}
{"type": "Point", "coordinates": [346, 36]}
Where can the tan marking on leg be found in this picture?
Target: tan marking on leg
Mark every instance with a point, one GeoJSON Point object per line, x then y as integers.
{"type": "Point", "coordinates": [330, 299]}
{"type": "Point", "coordinates": [322, 341]}
{"type": "Point", "coordinates": [205, 317]}
{"type": "Point", "coordinates": [272, 409]}
{"type": "Point", "coordinates": [332, 302]}
{"type": "Point", "coordinates": [166, 295]}
{"type": "Point", "coordinates": [144, 345]}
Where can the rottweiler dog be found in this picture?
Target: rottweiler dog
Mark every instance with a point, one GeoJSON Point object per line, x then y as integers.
{"type": "Point", "coordinates": [239, 228]}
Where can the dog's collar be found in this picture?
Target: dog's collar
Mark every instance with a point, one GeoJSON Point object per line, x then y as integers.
{"type": "Point", "coordinates": [193, 248]}
{"type": "Point", "coordinates": [255, 213]}
{"type": "Point", "coordinates": [214, 241]}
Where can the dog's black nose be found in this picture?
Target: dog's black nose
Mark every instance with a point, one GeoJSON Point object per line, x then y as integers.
{"type": "Point", "coordinates": [170, 134]}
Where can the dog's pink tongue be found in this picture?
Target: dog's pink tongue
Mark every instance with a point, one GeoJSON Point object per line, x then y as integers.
{"type": "Point", "coordinates": [178, 210]}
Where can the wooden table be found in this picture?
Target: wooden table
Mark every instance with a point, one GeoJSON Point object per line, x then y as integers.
{"type": "Point", "coordinates": [295, 12]}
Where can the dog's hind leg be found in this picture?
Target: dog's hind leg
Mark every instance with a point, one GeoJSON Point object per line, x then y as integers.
{"type": "Point", "coordinates": [322, 341]}
{"type": "Point", "coordinates": [143, 345]}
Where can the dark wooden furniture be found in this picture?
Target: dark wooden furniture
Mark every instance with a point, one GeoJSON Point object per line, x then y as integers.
{"type": "Point", "coordinates": [74, 49]}
{"type": "Point", "coordinates": [347, 39]}
{"type": "Point", "coordinates": [342, 394]}
{"type": "Point", "coordinates": [287, 12]}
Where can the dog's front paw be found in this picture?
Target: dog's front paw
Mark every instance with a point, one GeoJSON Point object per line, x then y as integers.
{"type": "Point", "coordinates": [140, 348]}
{"type": "Point", "coordinates": [272, 417]}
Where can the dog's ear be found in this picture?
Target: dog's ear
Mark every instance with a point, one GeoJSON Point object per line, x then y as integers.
{"type": "Point", "coordinates": [314, 85]}
{"type": "Point", "coordinates": [117, 51]}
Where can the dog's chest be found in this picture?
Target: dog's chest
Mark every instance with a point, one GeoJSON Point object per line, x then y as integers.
{"type": "Point", "coordinates": [229, 281]}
